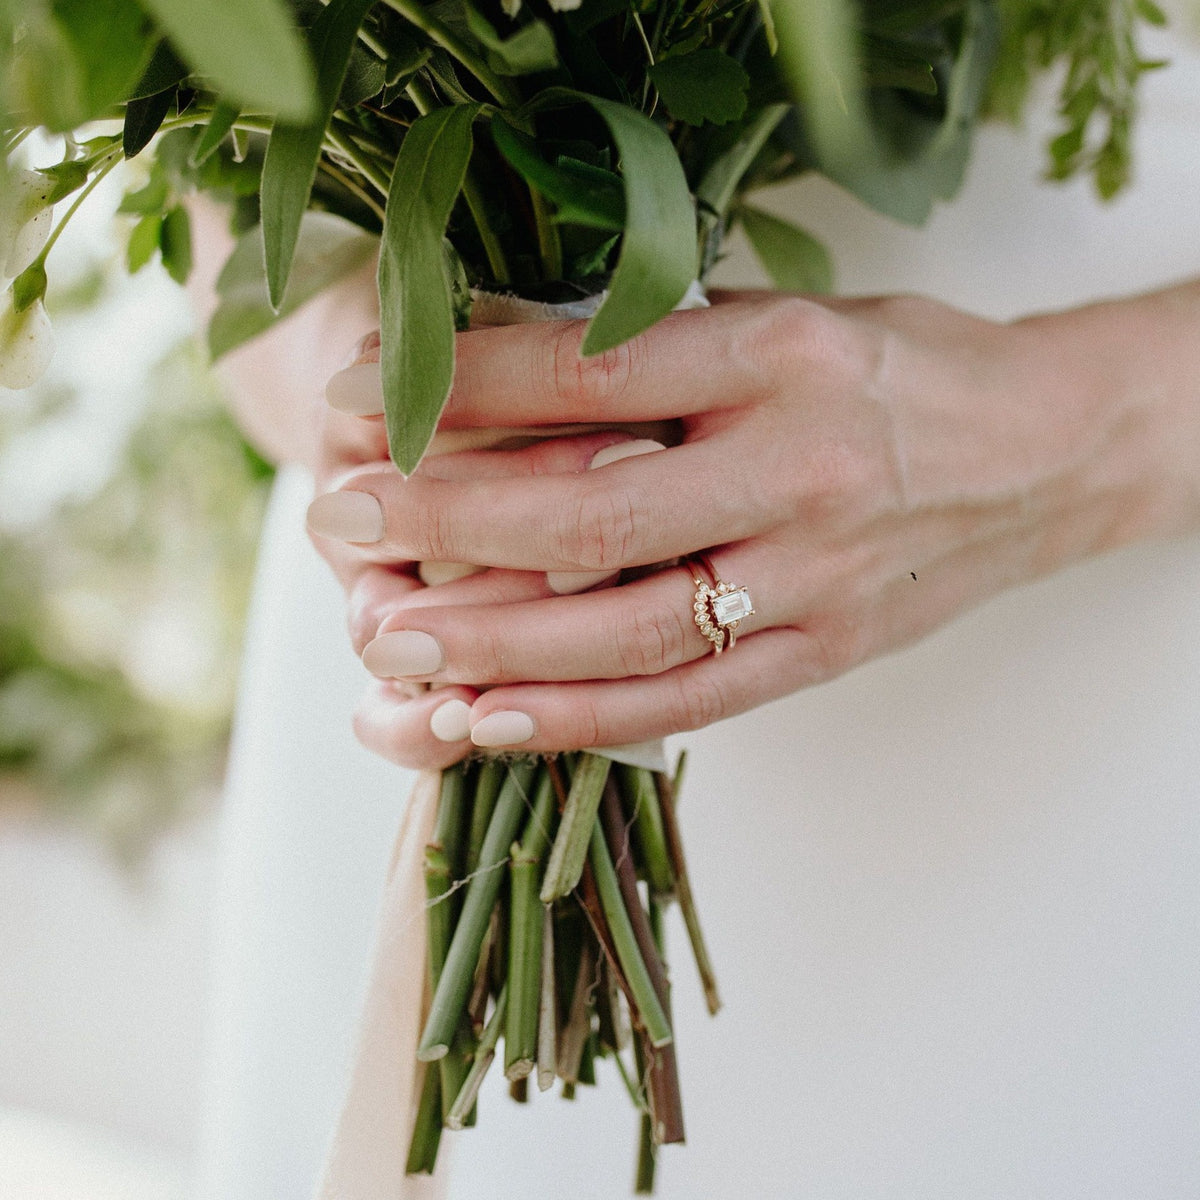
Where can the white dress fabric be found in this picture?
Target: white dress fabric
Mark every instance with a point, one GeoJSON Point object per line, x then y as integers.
{"type": "Point", "coordinates": [953, 897]}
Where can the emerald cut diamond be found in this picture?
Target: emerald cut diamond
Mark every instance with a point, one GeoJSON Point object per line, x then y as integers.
{"type": "Point", "coordinates": [731, 607]}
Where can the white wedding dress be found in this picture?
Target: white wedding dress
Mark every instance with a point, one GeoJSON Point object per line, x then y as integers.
{"type": "Point", "coordinates": [953, 897]}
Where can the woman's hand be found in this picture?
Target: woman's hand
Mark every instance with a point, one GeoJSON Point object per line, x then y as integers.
{"type": "Point", "coordinates": [867, 469]}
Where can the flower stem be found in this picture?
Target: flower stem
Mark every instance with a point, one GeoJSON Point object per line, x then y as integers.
{"type": "Point", "coordinates": [453, 989]}
{"type": "Point", "coordinates": [575, 832]}
{"type": "Point", "coordinates": [683, 892]}
{"type": "Point", "coordinates": [486, 1052]}
{"type": "Point", "coordinates": [427, 1132]}
{"type": "Point", "coordinates": [526, 918]}
{"type": "Point", "coordinates": [637, 786]}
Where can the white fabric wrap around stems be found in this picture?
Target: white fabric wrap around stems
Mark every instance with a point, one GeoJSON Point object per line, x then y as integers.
{"type": "Point", "coordinates": [370, 1144]}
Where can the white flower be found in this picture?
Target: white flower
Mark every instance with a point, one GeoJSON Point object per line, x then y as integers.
{"type": "Point", "coordinates": [26, 344]}
{"type": "Point", "coordinates": [26, 216]}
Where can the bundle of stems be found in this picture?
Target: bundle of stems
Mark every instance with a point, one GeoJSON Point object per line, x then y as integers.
{"type": "Point", "coordinates": [547, 880]}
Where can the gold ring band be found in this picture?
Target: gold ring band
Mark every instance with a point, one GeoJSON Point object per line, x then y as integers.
{"type": "Point", "coordinates": [718, 607]}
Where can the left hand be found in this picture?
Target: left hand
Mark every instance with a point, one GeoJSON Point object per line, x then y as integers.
{"type": "Point", "coordinates": [868, 469]}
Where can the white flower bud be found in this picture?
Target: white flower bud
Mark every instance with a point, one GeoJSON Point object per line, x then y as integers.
{"type": "Point", "coordinates": [26, 344]}
{"type": "Point", "coordinates": [26, 216]}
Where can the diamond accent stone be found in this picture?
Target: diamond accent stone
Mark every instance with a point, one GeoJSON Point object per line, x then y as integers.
{"type": "Point", "coordinates": [732, 606]}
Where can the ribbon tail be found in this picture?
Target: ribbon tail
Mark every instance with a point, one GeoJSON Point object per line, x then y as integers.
{"type": "Point", "coordinates": [370, 1144]}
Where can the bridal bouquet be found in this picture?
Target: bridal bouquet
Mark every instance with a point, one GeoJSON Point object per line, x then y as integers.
{"type": "Point", "coordinates": [552, 150]}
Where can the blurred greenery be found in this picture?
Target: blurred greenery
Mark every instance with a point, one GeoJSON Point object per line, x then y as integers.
{"type": "Point", "coordinates": [121, 615]}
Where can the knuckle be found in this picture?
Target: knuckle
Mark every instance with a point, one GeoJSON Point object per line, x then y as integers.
{"type": "Point", "coordinates": [582, 384]}
{"type": "Point", "coordinates": [432, 532]}
{"type": "Point", "coordinates": [599, 529]}
{"type": "Point", "coordinates": [588, 729]}
{"type": "Point", "coordinates": [836, 645]}
{"type": "Point", "coordinates": [650, 642]}
{"type": "Point", "coordinates": [697, 704]}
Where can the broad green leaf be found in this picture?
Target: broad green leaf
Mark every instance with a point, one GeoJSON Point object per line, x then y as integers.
{"type": "Point", "coordinates": [250, 49]}
{"type": "Point", "coordinates": [658, 258]}
{"type": "Point", "coordinates": [416, 305]}
{"type": "Point", "coordinates": [290, 166]}
{"type": "Point", "coordinates": [596, 201]}
{"type": "Point", "coordinates": [793, 259]}
{"type": "Point", "coordinates": [706, 85]}
{"type": "Point", "coordinates": [328, 248]}
{"type": "Point", "coordinates": [531, 48]}
{"type": "Point", "coordinates": [219, 125]}
{"type": "Point", "coordinates": [904, 176]}
{"type": "Point", "coordinates": [175, 242]}
{"type": "Point", "coordinates": [896, 63]}
{"type": "Point", "coordinates": [111, 42]}
{"type": "Point", "coordinates": [143, 118]}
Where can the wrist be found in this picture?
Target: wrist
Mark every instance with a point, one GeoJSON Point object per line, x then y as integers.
{"type": "Point", "coordinates": [1120, 381]}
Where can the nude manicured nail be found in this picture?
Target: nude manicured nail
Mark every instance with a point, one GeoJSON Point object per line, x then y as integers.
{"type": "Point", "coordinates": [434, 573]}
{"type": "Point", "coordinates": [403, 653]}
{"type": "Point", "coordinates": [348, 516]}
{"type": "Point", "coordinates": [451, 722]}
{"type": "Point", "coordinates": [358, 390]}
{"type": "Point", "coordinates": [567, 583]}
{"type": "Point", "coordinates": [505, 728]}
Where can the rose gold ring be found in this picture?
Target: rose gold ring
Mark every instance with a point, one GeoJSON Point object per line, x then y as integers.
{"type": "Point", "coordinates": [718, 607]}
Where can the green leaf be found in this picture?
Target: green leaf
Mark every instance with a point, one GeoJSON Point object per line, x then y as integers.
{"type": "Point", "coordinates": [593, 200]}
{"type": "Point", "coordinates": [219, 125]}
{"type": "Point", "coordinates": [366, 76]}
{"type": "Point", "coordinates": [416, 305]}
{"type": "Point", "coordinates": [530, 49]}
{"type": "Point", "coordinates": [706, 85]}
{"type": "Point", "coordinates": [143, 119]}
{"type": "Point", "coordinates": [164, 71]}
{"type": "Point", "coordinates": [68, 177]}
{"type": "Point", "coordinates": [175, 242]}
{"type": "Point", "coordinates": [658, 258]}
{"type": "Point", "coordinates": [250, 49]}
{"type": "Point", "coordinates": [329, 247]}
{"type": "Point", "coordinates": [143, 242]}
{"type": "Point", "coordinates": [720, 181]}
{"type": "Point", "coordinates": [148, 199]}
{"type": "Point", "coordinates": [795, 260]}
{"type": "Point", "coordinates": [111, 43]}
{"type": "Point", "coordinates": [293, 151]}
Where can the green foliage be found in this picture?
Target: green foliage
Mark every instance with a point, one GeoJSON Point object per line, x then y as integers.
{"type": "Point", "coordinates": [328, 248]}
{"type": "Point", "coordinates": [794, 260]}
{"type": "Point", "coordinates": [569, 144]}
{"type": "Point", "coordinates": [1095, 41]}
{"type": "Point", "coordinates": [414, 282]}
{"type": "Point", "coordinates": [703, 85]}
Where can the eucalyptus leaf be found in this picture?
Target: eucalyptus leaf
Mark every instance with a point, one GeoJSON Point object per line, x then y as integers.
{"type": "Point", "coordinates": [250, 49]}
{"type": "Point", "coordinates": [794, 259]}
{"type": "Point", "coordinates": [416, 304]}
{"type": "Point", "coordinates": [706, 85]}
{"type": "Point", "coordinates": [327, 249]}
{"type": "Point", "coordinates": [658, 260]}
{"type": "Point", "coordinates": [596, 200]}
{"type": "Point", "coordinates": [293, 151]}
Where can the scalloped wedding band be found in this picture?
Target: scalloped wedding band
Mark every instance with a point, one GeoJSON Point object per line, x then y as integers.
{"type": "Point", "coordinates": [717, 607]}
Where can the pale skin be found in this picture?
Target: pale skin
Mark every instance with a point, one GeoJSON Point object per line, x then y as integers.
{"type": "Point", "coordinates": [869, 469]}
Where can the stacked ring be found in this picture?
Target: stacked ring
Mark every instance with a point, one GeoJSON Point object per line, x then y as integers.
{"type": "Point", "coordinates": [718, 607]}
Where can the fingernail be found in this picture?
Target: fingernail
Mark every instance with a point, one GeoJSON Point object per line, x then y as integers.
{"type": "Point", "coordinates": [349, 516]}
{"type": "Point", "coordinates": [358, 390]}
{"type": "Point", "coordinates": [433, 573]}
{"type": "Point", "coordinates": [403, 653]}
{"type": "Point", "coordinates": [567, 583]}
{"type": "Point", "coordinates": [451, 721]}
{"type": "Point", "coordinates": [619, 450]}
{"type": "Point", "coordinates": [505, 728]}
